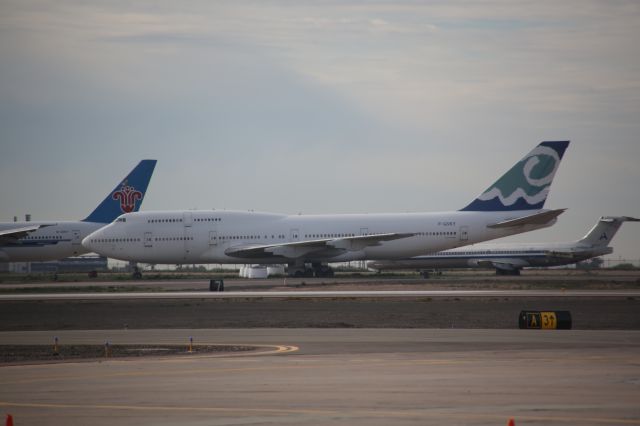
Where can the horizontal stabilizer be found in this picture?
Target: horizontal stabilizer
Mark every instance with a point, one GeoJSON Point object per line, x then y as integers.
{"type": "Point", "coordinates": [297, 249]}
{"type": "Point", "coordinates": [629, 219]}
{"type": "Point", "coordinates": [17, 233]}
{"type": "Point", "coordinates": [533, 219]}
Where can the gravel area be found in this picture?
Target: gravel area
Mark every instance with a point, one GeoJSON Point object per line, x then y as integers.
{"type": "Point", "coordinates": [438, 312]}
{"type": "Point", "coordinates": [27, 353]}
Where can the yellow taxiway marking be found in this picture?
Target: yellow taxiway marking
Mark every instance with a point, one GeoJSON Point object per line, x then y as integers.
{"type": "Point", "coordinates": [67, 377]}
{"type": "Point", "coordinates": [274, 349]}
{"type": "Point", "coordinates": [220, 370]}
{"type": "Point", "coordinates": [339, 411]}
{"type": "Point", "coordinates": [217, 370]}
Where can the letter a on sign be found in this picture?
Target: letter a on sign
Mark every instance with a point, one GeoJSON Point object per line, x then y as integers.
{"type": "Point", "coordinates": [533, 320]}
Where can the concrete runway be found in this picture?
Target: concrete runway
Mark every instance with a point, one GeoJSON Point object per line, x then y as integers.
{"type": "Point", "coordinates": [337, 376]}
{"type": "Point", "coordinates": [320, 294]}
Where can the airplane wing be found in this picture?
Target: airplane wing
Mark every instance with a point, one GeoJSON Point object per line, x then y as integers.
{"type": "Point", "coordinates": [13, 234]}
{"type": "Point", "coordinates": [533, 219]}
{"type": "Point", "coordinates": [506, 264]}
{"type": "Point", "coordinates": [322, 247]}
{"type": "Point", "coordinates": [567, 254]}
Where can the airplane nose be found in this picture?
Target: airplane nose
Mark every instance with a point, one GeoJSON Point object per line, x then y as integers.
{"type": "Point", "coordinates": [88, 241]}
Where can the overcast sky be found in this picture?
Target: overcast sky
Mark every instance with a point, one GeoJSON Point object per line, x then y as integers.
{"type": "Point", "coordinates": [319, 106]}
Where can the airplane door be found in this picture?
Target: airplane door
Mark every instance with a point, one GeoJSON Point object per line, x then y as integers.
{"type": "Point", "coordinates": [75, 241]}
{"type": "Point", "coordinates": [364, 231]}
{"type": "Point", "coordinates": [213, 238]}
{"type": "Point", "coordinates": [187, 242]}
{"type": "Point", "coordinates": [294, 235]}
{"type": "Point", "coordinates": [75, 237]}
{"type": "Point", "coordinates": [464, 233]}
{"type": "Point", "coordinates": [187, 220]}
{"type": "Point", "coordinates": [148, 239]}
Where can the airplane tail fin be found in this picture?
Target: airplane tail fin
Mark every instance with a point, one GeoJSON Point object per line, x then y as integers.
{"type": "Point", "coordinates": [603, 232]}
{"type": "Point", "coordinates": [526, 185]}
{"type": "Point", "coordinates": [127, 196]}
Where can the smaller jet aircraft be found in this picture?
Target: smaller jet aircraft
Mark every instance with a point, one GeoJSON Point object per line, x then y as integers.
{"type": "Point", "coordinates": [510, 258]}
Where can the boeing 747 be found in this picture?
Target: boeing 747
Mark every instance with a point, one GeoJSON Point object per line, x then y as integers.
{"type": "Point", "coordinates": [513, 204]}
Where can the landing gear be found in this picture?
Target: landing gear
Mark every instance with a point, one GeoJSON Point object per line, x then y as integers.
{"type": "Point", "coordinates": [317, 270]}
{"type": "Point", "coordinates": [136, 274]}
{"type": "Point", "coordinates": [300, 273]}
{"type": "Point", "coordinates": [428, 273]}
{"type": "Point", "coordinates": [322, 271]}
{"type": "Point", "coordinates": [511, 272]}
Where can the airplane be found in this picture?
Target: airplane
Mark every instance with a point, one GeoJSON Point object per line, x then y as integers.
{"type": "Point", "coordinates": [510, 258]}
{"type": "Point", "coordinates": [52, 240]}
{"type": "Point", "coordinates": [513, 204]}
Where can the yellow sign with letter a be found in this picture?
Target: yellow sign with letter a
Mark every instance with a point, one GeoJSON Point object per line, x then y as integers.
{"type": "Point", "coordinates": [545, 320]}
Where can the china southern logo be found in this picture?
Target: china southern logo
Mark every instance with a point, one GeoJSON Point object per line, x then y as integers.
{"type": "Point", "coordinates": [127, 195]}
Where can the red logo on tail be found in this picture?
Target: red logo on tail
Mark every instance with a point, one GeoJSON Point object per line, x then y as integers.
{"type": "Point", "coordinates": [128, 197]}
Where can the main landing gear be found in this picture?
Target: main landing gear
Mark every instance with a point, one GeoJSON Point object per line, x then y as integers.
{"type": "Point", "coordinates": [317, 270]}
{"type": "Point", "coordinates": [513, 272]}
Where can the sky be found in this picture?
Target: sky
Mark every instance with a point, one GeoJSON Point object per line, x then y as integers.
{"type": "Point", "coordinates": [319, 106]}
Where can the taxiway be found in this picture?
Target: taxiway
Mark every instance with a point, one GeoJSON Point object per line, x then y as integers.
{"type": "Point", "coordinates": [338, 376]}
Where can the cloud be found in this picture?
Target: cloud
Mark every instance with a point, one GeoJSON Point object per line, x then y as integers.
{"type": "Point", "coordinates": [316, 106]}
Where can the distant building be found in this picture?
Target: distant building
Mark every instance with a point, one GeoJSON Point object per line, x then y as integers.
{"type": "Point", "coordinates": [70, 264]}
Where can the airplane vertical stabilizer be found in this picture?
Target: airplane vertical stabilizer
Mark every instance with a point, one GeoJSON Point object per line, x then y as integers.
{"type": "Point", "coordinates": [127, 196]}
{"type": "Point", "coordinates": [526, 185]}
{"type": "Point", "coordinates": [604, 231]}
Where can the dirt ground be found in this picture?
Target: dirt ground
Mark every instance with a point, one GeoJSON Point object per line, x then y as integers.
{"type": "Point", "coordinates": [622, 313]}
{"type": "Point", "coordinates": [478, 312]}
{"type": "Point", "coordinates": [24, 353]}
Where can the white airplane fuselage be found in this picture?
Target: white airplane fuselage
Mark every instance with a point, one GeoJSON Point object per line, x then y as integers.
{"type": "Point", "coordinates": [515, 256]}
{"type": "Point", "coordinates": [55, 240]}
{"type": "Point", "coordinates": [209, 236]}
{"type": "Point", "coordinates": [507, 255]}
{"type": "Point", "coordinates": [52, 240]}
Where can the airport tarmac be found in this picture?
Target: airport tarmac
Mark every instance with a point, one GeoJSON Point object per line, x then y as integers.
{"type": "Point", "coordinates": [437, 356]}
{"type": "Point", "coordinates": [337, 376]}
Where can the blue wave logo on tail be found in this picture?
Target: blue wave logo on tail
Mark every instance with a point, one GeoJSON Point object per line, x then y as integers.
{"type": "Point", "coordinates": [526, 185]}
{"type": "Point", "coordinates": [127, 196]}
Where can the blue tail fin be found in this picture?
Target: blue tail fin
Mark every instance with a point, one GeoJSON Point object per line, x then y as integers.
{"type": "Point", "coordinates": [127, 196]}
{"type": "Point", "coordinates": [526, 185]}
